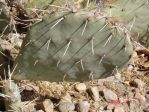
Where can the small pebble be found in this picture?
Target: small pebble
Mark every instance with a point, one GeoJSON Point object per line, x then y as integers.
{"type": "Point", "coordinates": [109, 95]}
{"type": "Point", "coordinates": [83, 106]}
{"type": "Point", "coordinates": [134, 54]}
{"type": "Point", "coordinates": [140, 97]}
{"type": "Point", "coordinates": [95, 93]}
{"type": "Point", "coordinates": [110, 106]}
{"type": "Point", "coordinates": [48, 105]}
{"type": "Point", "coordinates": [130, 67]}
{"type": "Point", "coordinates": [80, 87]}
{"type": "Point", "coordinates": [119, 109]}
{"type": "Point", "coordinates": [66, 97]}
{"type": "Point", "coordinates": [66, 107]}
{"type": "Point", "coordinates": [138, 83]}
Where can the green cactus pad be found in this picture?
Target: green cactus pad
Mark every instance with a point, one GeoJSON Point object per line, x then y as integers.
{"type": "Point", "coordinates": [72, 47]}
{"type": "Point", "coordinates": [133, 14]}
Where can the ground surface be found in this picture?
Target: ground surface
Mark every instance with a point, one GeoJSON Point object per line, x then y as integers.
{"type": "Point", "coordinates": [125, 91]}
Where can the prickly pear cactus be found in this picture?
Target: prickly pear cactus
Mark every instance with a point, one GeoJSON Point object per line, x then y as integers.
{"type": "Point", "coordinates": [72, 46]}
{"type": "Point", "coordinates": [133, 14]}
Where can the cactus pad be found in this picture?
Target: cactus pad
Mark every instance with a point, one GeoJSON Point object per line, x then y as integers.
{"type": "Point", "coordinates": [72, 46]}
{"type": "Point", "coordinates": [133, 14]}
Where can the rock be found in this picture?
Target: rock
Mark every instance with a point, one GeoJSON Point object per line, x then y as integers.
{"type": "Point", "coordinates": [130, 67]}
{"type": "Point", "coordinates": [66, 97]}
{"type": "Point", "coordinates": [48, 105]}
{"type": "Point", "coordinates": [66, 107]}
{"type": "Point", "coordinates": [119, 109]}
{"type": "Point", "coordinates": [134, 54]}
{"type": "Point", "coordinates": [146, 109]}
{"type": "Point", "coordinates": [95, 93]}
{"type": "Point", "coordinates": [138, 83]}
{"type": "Point", "coordinates": [140, 97]}
{"type": "Point", "coordinates": [80, 87]}
{"type": "Point", "coordinates": [83, 106]}
{"type": "Point", "coordinates": [109, 95]}
{"type": "Point", "coordinates": [110, 106]}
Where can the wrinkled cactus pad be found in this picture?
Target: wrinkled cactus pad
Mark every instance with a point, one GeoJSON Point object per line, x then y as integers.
{"type": "Point", "coordinates": [72, 46]}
